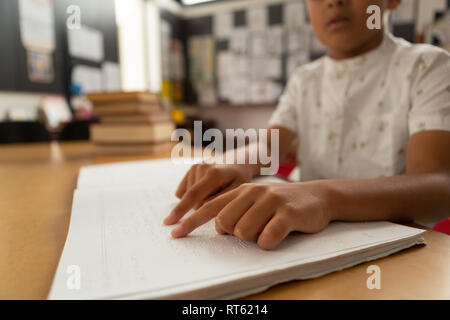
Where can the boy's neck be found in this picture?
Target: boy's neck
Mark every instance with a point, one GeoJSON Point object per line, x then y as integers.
{"type": "Point", "coordinates": [369, 45]}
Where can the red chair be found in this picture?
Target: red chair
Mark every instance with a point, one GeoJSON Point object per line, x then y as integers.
{"type": "Point", "coordinates": [443, 226]}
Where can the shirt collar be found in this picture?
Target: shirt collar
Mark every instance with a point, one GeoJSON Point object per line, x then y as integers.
{"type": "Point", "coordinates": [362, 61]}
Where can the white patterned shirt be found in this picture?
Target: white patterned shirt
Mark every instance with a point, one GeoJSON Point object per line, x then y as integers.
{"type": "Point", "coordinates": [353, 117]}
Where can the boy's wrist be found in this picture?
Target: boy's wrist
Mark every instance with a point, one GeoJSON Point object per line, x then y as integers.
{"type": "Point", "coordinates": [333, 199]}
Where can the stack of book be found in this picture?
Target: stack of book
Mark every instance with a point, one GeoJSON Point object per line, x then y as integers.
{"type": "Point", "coordinates": [130, 123]}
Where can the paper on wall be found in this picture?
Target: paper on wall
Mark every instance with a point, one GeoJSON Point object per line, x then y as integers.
{"type": "Point", "coordinates": [201, 59]}
{"type": "Point", "coordinates": [40, 66]}
{"type": "Point", "coordinates": [258, 92]}
{"type": "Point", "coordinates": [265, 92]}
{"type": "Point", "coordinates": [298, 40]}
{"type": "Point", "coordinates": [239, 41]}
{"type": "Point", "coordinates": [88, 78]}
{"type": "Point", "coordinates": [273, 91]}
{"type": "Point", "coordinates": [239, 90]}
{"type": "Point", "coordinates": [258, 68]}
{"type": "Point", "coordinates": [257, 18]}
{"type": "Point", "coordinates": [86, 43]}
{"type": "Point", "coordinates": [206, 95]}
{"type": "Point", "coordinates": [242, 65]}
{"type": "Point", "coordinates": [37, 25]}
{"type": "Point", "coordinates": [294, 14]}
{"type": "Point", "coordinates": [275, 44]}
{"type": "Point", "coordinates": [166, 41]}
{"type": "Point", "coordinates": [224, 88]}
{"type": "Point", "coordinates": [258, 44]}
{"type": "Point", "coordinates": [111, 76]}
{"type": "Point", "coordinates": [223, 25]}
{"type": "Point", "coordinates": [274, 68]}
{"type": "Point", "coordinates": [225, 64]}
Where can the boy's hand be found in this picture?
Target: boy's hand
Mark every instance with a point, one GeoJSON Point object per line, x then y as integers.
{"type": "Point", "coordinates": [265, 213]}
{"type": "Point", "coordinates": [204, 182]}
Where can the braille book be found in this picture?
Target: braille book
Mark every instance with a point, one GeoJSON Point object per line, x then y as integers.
{"type": "Point", "coordinates": [118, 248]}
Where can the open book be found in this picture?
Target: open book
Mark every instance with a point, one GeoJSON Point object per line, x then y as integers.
{"type": "Point", "coordinates": [118, 247]}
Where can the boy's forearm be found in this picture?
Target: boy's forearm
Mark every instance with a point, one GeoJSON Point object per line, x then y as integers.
{"type": "Point", "coordinates": [418, 197]}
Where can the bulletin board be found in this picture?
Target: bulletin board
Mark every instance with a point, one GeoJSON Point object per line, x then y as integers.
{"type": "Point", "coordinates": [256, 48]}
{"type": "Point", "coordinates": [56, 64]}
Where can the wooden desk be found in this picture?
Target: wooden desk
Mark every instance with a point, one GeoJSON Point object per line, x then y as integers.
{"type": "Point", "coordinates": [36, 188]}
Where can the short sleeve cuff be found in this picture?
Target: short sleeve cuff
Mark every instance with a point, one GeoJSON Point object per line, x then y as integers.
{"type": "Point", "coordinates": [429, 122]}
{"type": "Point", "coordinates": [279, 119]}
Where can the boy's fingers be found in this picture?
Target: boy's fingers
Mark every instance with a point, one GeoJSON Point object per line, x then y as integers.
{"type": "Point", "coordinates": [228, 217]}
{"type": "Point", "coordinates": [252, 223]}
{"type": "Point", "coordinates": [195, 194]}
{"type": "Point", "coordinates": [191, 179]}
{"type": "Point", "coordinates": [219, 229]}
{"type": "Point", "coordinates": [203, 215]}
{"type": "Point", "coordinates": [232, 186]}
{"type": "Point", "coordinates": [274, 232]}
{"type": "Point", "coordinates": [182, 186]}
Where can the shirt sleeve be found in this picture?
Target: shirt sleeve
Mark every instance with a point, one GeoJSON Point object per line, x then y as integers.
{"type": "Point", "coordinates": [285, 114]}
{"type": "Point", "coordinates": [430, 95]}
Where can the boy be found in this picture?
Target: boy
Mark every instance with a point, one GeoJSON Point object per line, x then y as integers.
{"type": "Point", "coordinates": [373, 123]}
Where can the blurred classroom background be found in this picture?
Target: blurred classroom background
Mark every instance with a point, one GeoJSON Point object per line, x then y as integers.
{"type": "Point", "coordinates": [67, 65]}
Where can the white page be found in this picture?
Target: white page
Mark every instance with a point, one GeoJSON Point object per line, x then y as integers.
{"type": "Point", "coordinates": [132, 173]}
{"type": "Point", "coordinates": [117, 239]}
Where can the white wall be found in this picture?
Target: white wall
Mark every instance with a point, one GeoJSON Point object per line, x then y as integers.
{"type": "Point", "coordinates": [132, 50]}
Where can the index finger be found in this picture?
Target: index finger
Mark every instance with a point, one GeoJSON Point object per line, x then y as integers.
{"type": "Point", "coordinates": [201, 190]}
{"type": "Point", "coordinates": [204, 214]}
